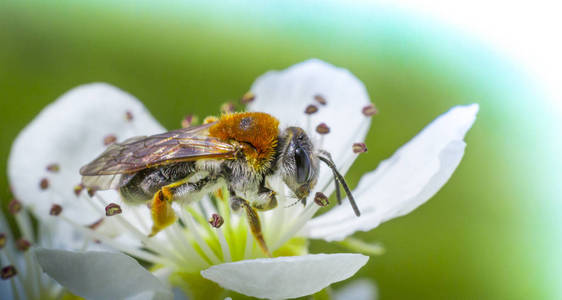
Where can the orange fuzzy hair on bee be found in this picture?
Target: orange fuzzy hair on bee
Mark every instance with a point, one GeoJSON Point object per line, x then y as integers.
{"type": "Point", "coordinates": [257, 129]}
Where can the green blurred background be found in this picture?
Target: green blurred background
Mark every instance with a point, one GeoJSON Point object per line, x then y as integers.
{"type": "Point", "coordinates": [493, 232]}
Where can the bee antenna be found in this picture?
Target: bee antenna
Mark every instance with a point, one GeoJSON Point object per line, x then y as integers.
{"type": "Point", "coordinates": [336, 183]}
{"type": "Point", "coordinates": [339, 178]}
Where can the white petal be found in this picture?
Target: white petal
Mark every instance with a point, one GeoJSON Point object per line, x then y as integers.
{"type": "Point", "coordinates": [151, 295]}
{"type": "Point", "coordinates": [360, 289]}
{"type": "Point", "coordinates": [6, 289]}
{"type": "Point", "coordinates": [70, 132]}
{"type": "Point", "coordinates": [403, 182]}
{"type": "Point", "coordinates": [8, 250]}
{"type": "Point", "coordinates": [101, 275]}
{"type": "Point", "coordinates": [163, 273]}
{"type": "Point", "coordinates": [285, 277]}
{"type": "Point", "coordinates": [285, 94]}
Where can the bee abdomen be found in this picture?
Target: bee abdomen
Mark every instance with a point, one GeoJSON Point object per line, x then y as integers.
{"type": "Point", "coordinates": [134, 193]}
{"type": "Point", "coordinates": [147, 182]}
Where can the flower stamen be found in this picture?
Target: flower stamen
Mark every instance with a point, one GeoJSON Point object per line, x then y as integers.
{"type": "Point", "coordinates": [8, 272]}
{"type": "Point", "coordinates": [320, 199]}
{"type": "Point", "coordinates": [44, 183]}
{"type": "Point", "coordinates": [188, 121]}
{"type": "Point", "coordinates": [359, 148]}
{"type": "Point", "coordinates": [22, 245]}
{"type": "Point", "coordinates": [53, 168]}
{"type": "Point", "coordinates": [320, 99]}
{"type": "Point", "coordinates": [2, 240]}
{"type": "Point", "coordinates": [322, 129]}
{"type": "Point", "coordinates": [216, 221]}
{"type": "Point", "coordinates": [129, 116]}
{"type": "Point", "coordinates": [247, 98]}
{"type": "Point", "coordinates": [109, 139]}
{"type": "Point", "coordinates": [369, 110]}
{"type": "Point", "coordinates": [210, 119]}
{"type": "Point", "coordinates": [227, 108]}
{"type": "Point", "coordinates": [150, 244]}
{"type": "Point", "coordinates": [14, 206]}
{"type": "Point", "coordinates": [55, 210]}
{"type": "Point", "coordinates": [311, 109]}
{"type": "Point", "coordinates": [190, 223]}
{"type": "Point", "coordinates": [224, 246]}
{"type": "Point", "coordinates": [112, 209]}
{"type": "Point", "coordinates": [78, 189]}
{"type": "Point", "coordinates": [96, 224]}
{"type": "Point", "coordinates": [94, 235]}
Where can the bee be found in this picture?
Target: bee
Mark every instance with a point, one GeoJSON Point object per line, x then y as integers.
{"type": "Point", "coordinates": [240, 151]}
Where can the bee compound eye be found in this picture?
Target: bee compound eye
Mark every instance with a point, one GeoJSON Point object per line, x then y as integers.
{"type": "Point", "coordinates": [302, 162]}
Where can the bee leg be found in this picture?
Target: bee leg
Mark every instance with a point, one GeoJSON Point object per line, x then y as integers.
{"type": "Point", "coordinates": [163, 214]}
{"type": "Point", "coordinates": [268, 199]}
{"type": "Point", "coordinates": [255, 226]}
{"type": "Point", "coordinates": [253, 221]}
{"type": "Point", "coordinates": [161, 210]}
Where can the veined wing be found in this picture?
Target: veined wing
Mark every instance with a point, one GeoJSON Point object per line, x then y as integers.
{"type": "Point", "coordinates": [139, 153]}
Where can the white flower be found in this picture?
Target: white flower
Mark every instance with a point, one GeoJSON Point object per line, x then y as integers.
{"type": "Point", "coordinates": [21, 276]}
{"type": "Point", "coordinates": [103, 275]}
{"type": "Point", "coordinates": [71, 132]}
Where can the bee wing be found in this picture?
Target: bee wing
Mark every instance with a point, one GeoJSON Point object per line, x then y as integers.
{"type": "Point", "coordinates": [139, 153]}
{"type": "Point", "coordinates": [106, 182]}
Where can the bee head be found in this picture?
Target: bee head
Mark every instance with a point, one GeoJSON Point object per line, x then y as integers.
{"type": "Point", "coordinates": [298, 164]}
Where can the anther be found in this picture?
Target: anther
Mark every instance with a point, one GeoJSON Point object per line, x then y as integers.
{"type": "Point", "coordinates": [96, 224]}
{"type": "Point", "coordinates": [247, 98]}
{"type": "Point", "coordinates": [22, 244]}
{"type": "Point", "coordinates": [227, 108]}
{"type": "Point", "coordinates": [369, 110]}
{"type": "Point", "coordinates": [14, 206]}
{"type": "Point", "coordinates": [320, 199]}
{"type": "Point", "coordinates": [216, 221]}
{"type": "Point", "coordinates": [359, 148]}
{"type": "Point", "coordinates": [210, 119]}
{"type": "Point", "coordinates": [112, 209]}
{"type": "Point", "coordinates": [309, 110]}
{"type": "Point", "coordinates": [78, 189]}
{"type": "Point", "coordinates": [322, 128]}
{"type": "Point", "coordinates": [44, 183]}
{"type": "Point", "coordinates": [53, 168]}
{"type": "Point", "coordinates": [320, 99]}
{"type": "Point", "coordinates": [91, 191]}
{"type": "Point", "coordinates": [8, 272]}
{"type": "Point", "coordinates": [129, 116]}
{"type": "Point", "coordinates": [55, 210]}
{"type": "Point", "coordinates": [109, 139]}
{"type": "Point", "coordinates": [188, 121]}
{"type": "Point", "coordinates": [2, 240]}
